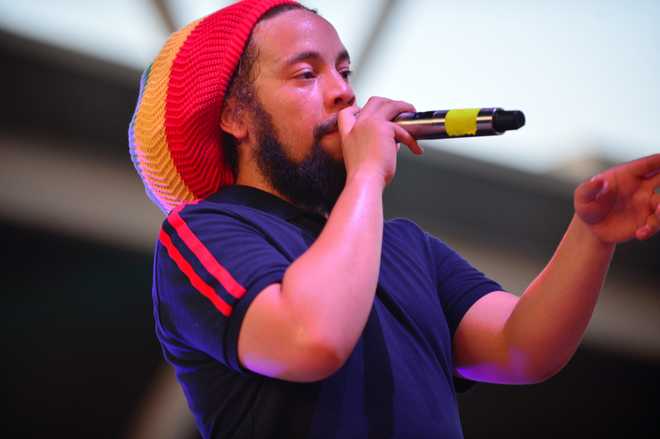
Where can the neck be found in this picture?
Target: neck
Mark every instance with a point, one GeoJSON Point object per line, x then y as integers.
{"type": "Point", "coordinates": [258, 181]}
{"type": "Point", "coordinates": [249, 176]}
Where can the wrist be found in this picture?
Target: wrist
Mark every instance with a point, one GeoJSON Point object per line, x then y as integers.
{"type": "Point", "coordinates": [587, 235]}
{"type": "Point", "coordinates": [367, 177]}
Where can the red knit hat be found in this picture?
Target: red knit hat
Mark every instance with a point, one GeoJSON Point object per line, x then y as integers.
{"type": "Point", "coordinates": [174, 136]}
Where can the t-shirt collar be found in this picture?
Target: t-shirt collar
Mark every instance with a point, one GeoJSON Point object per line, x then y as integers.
{"type": "Point", "coordinates": [258, 199]}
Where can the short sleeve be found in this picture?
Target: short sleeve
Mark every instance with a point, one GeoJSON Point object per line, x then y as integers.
{"type": "Point", "coordinates": [459, 286]}
{"type": "Point", "coordinates": [209, 267]}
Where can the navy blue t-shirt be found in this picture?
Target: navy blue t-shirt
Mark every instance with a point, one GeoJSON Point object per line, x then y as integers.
{"type": "Point", "coordinates": [212, 259]}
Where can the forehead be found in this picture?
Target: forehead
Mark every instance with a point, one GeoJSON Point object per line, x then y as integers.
{"type": "Point", "coordinates": [295, 31]}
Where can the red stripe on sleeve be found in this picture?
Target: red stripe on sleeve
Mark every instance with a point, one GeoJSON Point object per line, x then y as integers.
{"type": "Point", "coordinates": [205, 289]}
{"type": "Point", "coordinates": [205, 257]}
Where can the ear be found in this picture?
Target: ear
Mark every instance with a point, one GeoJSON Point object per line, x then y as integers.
{"type": "Point", "coordinates": [232, 120]}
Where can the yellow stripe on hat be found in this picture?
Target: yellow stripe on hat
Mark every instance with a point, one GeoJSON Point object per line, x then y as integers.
{"type": "Point", "coordinates": [153, 152]}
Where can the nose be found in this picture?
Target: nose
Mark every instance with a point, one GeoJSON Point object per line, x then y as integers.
{"type": "Point", "coordinates": [339, 93]}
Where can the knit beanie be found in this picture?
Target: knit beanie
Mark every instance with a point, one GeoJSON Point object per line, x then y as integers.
{"type": "Point", "coordinates": [175, 140]}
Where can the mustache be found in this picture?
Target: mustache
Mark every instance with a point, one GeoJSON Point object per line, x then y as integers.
{"type": "Point", "coordinates": [326, 127]}
{"type": "Point", "coordinates": [330, 125]}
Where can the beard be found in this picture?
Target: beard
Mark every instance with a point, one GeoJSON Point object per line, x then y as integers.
{"type": "Point", "coordinates": [314, 183]}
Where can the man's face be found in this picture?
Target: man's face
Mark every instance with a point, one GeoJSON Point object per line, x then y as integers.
{"type": "Point", "coordinates": [300, 85]}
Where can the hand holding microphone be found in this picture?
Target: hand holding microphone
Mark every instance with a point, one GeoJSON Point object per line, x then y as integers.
{"type": "Point", "coordinates": [409, 126]}
{"type": "Point", "coordinates": [369, 137]}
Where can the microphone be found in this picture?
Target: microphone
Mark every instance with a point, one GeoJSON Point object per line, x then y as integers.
{"type": "Point", "coordinates": [468, 122]}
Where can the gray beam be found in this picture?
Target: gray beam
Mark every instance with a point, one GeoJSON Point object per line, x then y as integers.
{"type": "Point", "coordinates": [164, 11]}
{"type": "Point", "coordinates": [381, 25]}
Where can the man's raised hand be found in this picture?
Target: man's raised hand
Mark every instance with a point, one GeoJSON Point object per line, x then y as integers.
{"type": "Point", "coordinates": [622, 203]}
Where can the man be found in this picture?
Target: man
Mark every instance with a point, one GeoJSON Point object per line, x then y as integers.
{"type": "Point", "coordinates": [288, 307]}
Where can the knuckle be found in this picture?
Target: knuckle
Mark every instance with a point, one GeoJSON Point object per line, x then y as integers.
{"type": "Point", "coordinates": [343, 111]}
{"type": "Point", "coordinates": [408, 106]}
{"type": "Point", "coordinates": [381, 100]}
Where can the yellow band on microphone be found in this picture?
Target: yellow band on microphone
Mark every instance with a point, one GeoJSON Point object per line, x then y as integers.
{"type": "Point", "coordinates": [461, 122]}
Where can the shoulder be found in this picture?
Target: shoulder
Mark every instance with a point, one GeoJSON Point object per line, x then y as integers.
{"type": "Point", "coordinates": [407, 230]}
{"type": "Point", "coordinates": [209, 218]}
{"type": "Point", "coordinates": [202, 226]}
{"type": "Point", "coordinates": [408, 233]}
{"type": "Point", "coordinates": [405, 238]}
{"type": "Point", "coordinates": [207, 210]}
{"type": "Point", "coordinates": [403, 228]}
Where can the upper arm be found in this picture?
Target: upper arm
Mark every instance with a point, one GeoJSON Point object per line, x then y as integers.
{"type": "Point", "coordinates": [481, 350]}
{"type": "Point", "coordinates": [476, 310]}
{"type": "Point", "coordinates": [272, 343]}
{"type": "Point", "coordinates": [217, 285]}
{"type": "Point", "coordinates": [208, 270]}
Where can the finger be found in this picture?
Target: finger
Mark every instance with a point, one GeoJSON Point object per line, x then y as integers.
{"type": "Point", "coordinates": [346, 119]}
{"type": "Point", "coordinates": [652, 174]}
{"type": "Point", "coordinates": [655, 181]}
{"type": "Point", "coordinates": [390, 110]}
{"type": "Point", "coordinates": [372, 105]}
{"type": "Point", "coordinates": [646, 166]}
{"type": "Point", "coordinates": [403, 136]}
{"type": "Point", "coordinates": [384, 108]}
{"type": "Point", "coordinates": [654, 208]}
{"type": "Point", "coordinates": [594, 200]}
{"type": "Point", "coordinates": [651, 227]}
{"type": "Point", "coordinates": [591, 190]}
{"type": "Point", "coordinates": [655, 201]}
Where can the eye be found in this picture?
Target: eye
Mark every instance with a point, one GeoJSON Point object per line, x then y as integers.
{"type": "Point", "coordinates": [307, 74]}
{"type": "Point", "coordinates": [346, 74]}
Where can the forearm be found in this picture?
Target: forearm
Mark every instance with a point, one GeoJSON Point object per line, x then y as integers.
{"type": "Point", "coordinates": [506, 339]}
{"type": "Point", "coordinates": [548, 322]}
{"type": "Point", "coordinates": [330, 288]}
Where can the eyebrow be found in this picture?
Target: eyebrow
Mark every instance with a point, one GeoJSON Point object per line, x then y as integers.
{"type": "Point", "coordinates": [310, 54]}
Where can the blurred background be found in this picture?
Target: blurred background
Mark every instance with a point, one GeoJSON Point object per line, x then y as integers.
{"type": "Point", "coordinates": [81, 358]}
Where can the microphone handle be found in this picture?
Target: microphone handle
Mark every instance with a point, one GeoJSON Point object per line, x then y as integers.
{"type": "Point", "coordinates": [468, 122]}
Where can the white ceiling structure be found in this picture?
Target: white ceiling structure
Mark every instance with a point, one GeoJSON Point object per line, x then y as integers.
{"type": "Point", "coordinates": [585, 73]}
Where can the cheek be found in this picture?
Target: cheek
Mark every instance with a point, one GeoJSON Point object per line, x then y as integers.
{"type": "Point", "coordinates": [295, 125]}
{"type": "Point", "coordinates": [296, 111]}
{"type": "Point", "coordinates": [296, 134]}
